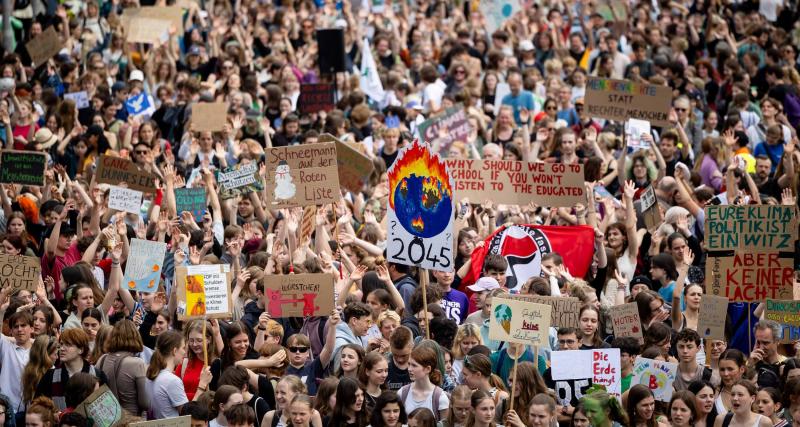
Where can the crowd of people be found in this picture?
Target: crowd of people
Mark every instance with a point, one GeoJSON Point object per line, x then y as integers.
{"type": "Point", "coordinates": [389, 354]}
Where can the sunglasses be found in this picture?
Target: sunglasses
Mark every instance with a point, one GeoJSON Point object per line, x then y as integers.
{"type": "Point", "coordinates": [680, 109]}
{"type": "Point", "coordinates": [140, 152]}
{"type": "Point", "coordinates": [552, 108]}
{"type": "Point", "coordinates": [298, 349]}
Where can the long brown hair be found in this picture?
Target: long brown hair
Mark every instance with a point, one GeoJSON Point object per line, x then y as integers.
{"type": "Point", "coordinates": [39, 364]}
{"type": "Point", "coordinates": [166, 343]}
{"type": "Point", "coordinates": [197, 326]}
{"type": "Point", "coordinates": [528, 375]}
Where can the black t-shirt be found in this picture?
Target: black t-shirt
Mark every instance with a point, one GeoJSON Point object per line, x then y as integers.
{"type": "Point", "coordinates": [261, 407]}
{"type": "Point", "coordinates": [397, 377]}
{"type": "Point", "coordinates": [569, 391]}
{"type": "Point", "coordinates": [312, 373]}
{"type": "Point", "coordinates": [389, 158]}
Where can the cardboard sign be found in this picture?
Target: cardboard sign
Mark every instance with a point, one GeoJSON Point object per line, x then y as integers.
{"type": "Point", "coordinates": [750, 251]}
{"type": "Point", "coordinates": [237, 180]}
{"type": "Point", "coordinates": [22, 167]}
{"type": "Point", "coordinates": [602, 366]}
{"type": "Point", "coordinates": [790, 334]}
{"type": "Point", "coordinates": [656, 375]}
{"type": "Point", "coordinates": [203, 290]}
{"type": "Point", "coordinates": [184, 421]}
{"type": "Point", "coordinates": [523, 322]}
{"type": "Point", "coordinates": [354, 167]}
{"type": "Point", "coordinates": [564, 311]}
{"type": "Point", "coordinates": [621, 100]}
{"type": "Point", "coordinates": [453, 120]}
{"type": "Point", "coordinates": [102, 407]}
{"type": "Point", "coordinates": [512, 182]}
{"type": "Point", "coordinates": [140, 29]}
{"type": "Point", "coordinates": [783, 312]}
{"type": "Point", "coordinates": [298, 295]}
{"type": "Point", "coordinates": [713, 314]}
{"type": "Point", "coordinates": [125, 200]}
{"type": "Point", "coordinates": [209, 116]}
{"type": "Point", "coordinates": [650, 211]}
{"type": "Point", "coordinates": [19, 272]}
{"type": "Point", "coordinates": [140, 105]}
{"type": "Point", "coordinates": [115, 170]}
{"type": "Point", "coordinates": [497, 12]}
{"type": "Point", "coordinates": [421, 208]}
{"type": "Point", "coordinates": [626, 322]}
{"type": "Point", "coordinates": [309, 222]}
{"type": "Point", "coordinates": [315, 97]}
{"type": "Point", "coordinates": [81, 99]}
{"type": "Point", "coordinates": [144, 266]}
{"type": "Point", "coordinates": [302, 175]}
{"type": "Point", "coordinates": [191, 200]}
{"type": "Point", "coordinates": [634, 128]}
{"type": "Point", "coordinates": [172, 14]}
{"type": "Point", "coordinates": [44, 46]}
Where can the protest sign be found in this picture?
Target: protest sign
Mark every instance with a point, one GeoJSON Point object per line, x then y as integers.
{"type": "Point", "coordinates": [184, 421]}
{"type": "Point", "coordinates": [302, 175]}
{"type": "Point", "coordinates": [81, 99]}
{"type": "Point", "coordinates": [713, 314]}
{"type": "Point", "coordinates": [790, 334]}
{"type": "Point", "coordinates": [308, 222]}
{"type": "Point", "coordinates": [203, 291]}
{"type": "Point", "coordinates": [523, 322]}
{"type": "Point", "coordinates": [209, 116]}
{"type": "Point", "coordinates": [142, 29]}
{"type": "Point", "coordinates": [496, 12]}
{"type": "Point", "coordinates": [22, 167]}
{"type": "Point", "coordinates": [144, 266]}
{"type": "Point", "coordinates": [125, 199]}
{"type": "Point", "coordinates": [651, 212]}
{"type": "Point", "coordinates": [656, 375]}
{"type": "Point", "coordinates": [315, 97]}
{"type": "Point", "coordinates": [564, 311]}
{"type": "Point", "coordinates": [634, 128]}
{"type": "Point", "coordinates": [500, 92]}
{"type": "Point", "coordinates": [750, 251]}
{"type": "Point", "coordinates": [44, 46]}
{"type": "Point", "coordinates": [173, 15]}
{"type": "Point", "coordinates": [115, 170]}
{"type": "Point", "coordinates": [237, 180]}
{"type": "Point", "coordinates": [513, 182]}
{"type": "Point", "coordinates": [298, 295]}
{"type": "Point", "coordinates": [602, 366]}
{"type": "Point", "coordinates": [453, 121]}
{"type": "Point", "coordinates": [101, 407]}
{"type": "Point", "coordinates": [626, 322]}
{"type": "Point", "coordinates": [354, 167]}
{"type": "Point", "coordinates": [621, 100]}
{"type": "Point", "coordinates": [420, 210]}
{"type": "Point", "coordinates": [191, 200]}
{"type": "Point", "coordinates": [19, 272]}
{"type": "Point", "coordinates": [141, 104]}
{"type": "Point", "coordinates": [783, 312]}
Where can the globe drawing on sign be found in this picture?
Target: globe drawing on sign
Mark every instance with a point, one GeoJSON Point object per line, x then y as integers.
{"type": "Point", "coordinates": [420, 192]}
{"type": "Point", "coordinates": [502, 313]}
{"type": "Point", "coordinates": [654, 379]}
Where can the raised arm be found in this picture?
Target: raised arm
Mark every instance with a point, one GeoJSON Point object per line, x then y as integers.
{"type": "Point", "coordinates": [630, 220]}
{"type": "Point", "coordinates": [677, 291]}
{"type": "Point", "coordinates": [326, 354]}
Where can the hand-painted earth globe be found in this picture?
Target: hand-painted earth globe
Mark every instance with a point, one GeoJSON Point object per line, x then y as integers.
{"type": "Point", "coordinates": [422, 206]}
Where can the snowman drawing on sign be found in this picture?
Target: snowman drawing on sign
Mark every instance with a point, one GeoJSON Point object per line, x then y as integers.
{"type": "Point", "coordinates": [284, 187]}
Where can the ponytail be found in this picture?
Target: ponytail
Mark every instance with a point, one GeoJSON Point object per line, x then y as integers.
{"type": "Point", "coordinates": [497, 382]}
{"type": "Point", "coordinates": [166, 343]}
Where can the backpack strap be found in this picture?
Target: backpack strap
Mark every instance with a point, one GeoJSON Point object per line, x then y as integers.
{"type": "Point", "coordinates": [404, 393]}
{"type": "Point", "coordinates": [707, 372]}
{"type": "Point", "coordinates": [727, 420]}
{"type": "Point", "coordinates": [437, 394]}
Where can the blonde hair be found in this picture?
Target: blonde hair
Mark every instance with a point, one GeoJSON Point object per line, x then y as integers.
{"type": "Point", "coordinates": [466, 330]}
{"type": "Point", "coordinates": [388, 315]}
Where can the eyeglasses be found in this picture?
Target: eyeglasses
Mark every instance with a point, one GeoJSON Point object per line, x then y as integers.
{"type": "Point", "coordinates": [551, 108]}
{"type": "Point", "coordinates": [567, 342]}
{"type": "Point", "coordinates": [298, 349]}
{"type": "Point", "coordinates": [681, 110]}
{"type": "Point", "coordinates": [140, 152]}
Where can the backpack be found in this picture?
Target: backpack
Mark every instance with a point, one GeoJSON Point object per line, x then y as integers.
{"type": "Point", "coordinates": [437, 394]}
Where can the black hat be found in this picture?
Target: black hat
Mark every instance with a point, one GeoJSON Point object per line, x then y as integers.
{"type": "Point", "coordinates": [638, 280]}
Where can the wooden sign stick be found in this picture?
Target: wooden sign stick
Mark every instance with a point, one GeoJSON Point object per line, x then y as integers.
{"type": "Point", "coordinates": [514, 381]}
{"type": "Point", "coordinates": [205, 346]}
{"type": "Point", "coordinates": [423, 281]}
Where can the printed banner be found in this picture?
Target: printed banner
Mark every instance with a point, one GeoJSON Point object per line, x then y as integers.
{"type": "Point", "coordinates": [656, 375]}
{"type": "Point", "coordinates": [298, 295]}
{"type": "Point", "coordinates": [302, 175]}
{"type": "Point", "coordinates": [602, 366]}
{"type": "Point", "coordinates": [421, 210]}
{"type": "Point", "coordinates": [22, 167]}
{"type": "Point", "coordinates": [713, 314]}
{"type": "Point", "coordinates": [514, 320]}
{"type": "Point", "coordinates": [237, 180]}
{"type": "Point", "coordinates": [783, 312]}
{"type": "Point", "coordinates": [115, 170]}
{"type": "Point", "coordinates": [750, 252]}
{"type": "Point", "coordinates": [125, 200]}
{"type": "Point", "coordinates": [564, 311]}
{"type": "Point", "coordinates": [512, 182]}
{"type": "Point", "coordinates": [203, 290]}
{"type": "Point", "coordinates": [315, 97]}
{"type": "Point", "coordinates": [145, 265]}
{"type": "Point", "coordinates": [191, 200]}
{"type": "Point", "coordinates": [626, 322]}
{"type": "Point", "coordinates": [621, 100]}
{"type": "Point", "coordinates": [453, 120]}
{"type": "Point", "coordinates": [19, 272]}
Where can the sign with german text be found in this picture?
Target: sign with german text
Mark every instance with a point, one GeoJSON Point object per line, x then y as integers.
{"type": "Point", "coordinates": [565, 310]}
{"type": "Point", "coordinates": [22, 167]}
{"type": "Point", "coordinates": [522, 322]}
{"type": "Point", "coordinates": [144, 266]}
{"type": "Point", "coordinates": [452, 124]}
{"type": "Point", "coordinates": [750, 252]}
{"type": "Point", "coordinates": [242, 178]}
{"type": "Point", "coordinates": [713, 314]}
{"type": "Point", "coordinates": [354, 166]}
{"type": "Point", "coordinates": [115, 170]}
{"type": "Point", "coordinates": [298, 295]}
{"type": "Point", "coordinates": [203, 291]}
{"type": "Point", "coordinates": [102, 407]}
{"type": "Point", "coordinates": [513, 182]}
{"type": "Point", "coordinates": [191, 200]}
{"type": "Point", "coordinates": [315, 97]}
{"type": "Point", "coordinates": [302, 175]}
{"type": "Point", "coordinates": [626, 322]}
{"type": "Point", "coordinates": [601, 366]}
{"type": "Point", "coordinates": [656, 375]}
{"type": "Point", "coordinates": [125, 199]}
{"type": "Point", "coordinates": [19, 272]}
{"type": "Point", "coordinates": [621, 100]}
{"type": "Point", "coordinates": [783, 312]}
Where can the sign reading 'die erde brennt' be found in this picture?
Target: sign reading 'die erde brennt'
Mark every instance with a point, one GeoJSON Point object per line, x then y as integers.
{"type": "Point", "coordinates": [621, 100]}
{"type": "Point", "coordinates": [512, 182]}
{"type": "Point", "coordinates": [750, 252]}
{"type": "Point", "coordinates": [302, 175]}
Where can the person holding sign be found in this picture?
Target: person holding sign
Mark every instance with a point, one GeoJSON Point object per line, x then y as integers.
{"type": "Point", "coordinates": [165, 389]}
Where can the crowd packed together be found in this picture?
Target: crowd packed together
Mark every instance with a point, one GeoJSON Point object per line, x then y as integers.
{"type": "Point", "coordinates": [392, 352]}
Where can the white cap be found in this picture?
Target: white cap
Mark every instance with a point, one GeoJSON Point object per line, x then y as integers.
{"type": "Point", "coordinates": [525, 46]}
{"type": "Point", "coordinates": [136, 75]}
{"type": "Point", "coordinates": [484, 284]}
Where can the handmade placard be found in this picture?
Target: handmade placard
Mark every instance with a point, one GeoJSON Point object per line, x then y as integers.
{"type": "Point", "coordinates": [298, 295]}
{"type": "Point", "coordinates": [713, 314]}
{"type": "Point", "coordinates": [354, 167]}
{"type": "Point", "coordinates": [191, 200]}
{"type": "Point", "coordinates": [44, 46]}
{"type": "Point", "coordinates": [626, 322]}
{"type": "Point", "coordinates": [101, 407]}
{"type": "Point", "coordinates": [125, 199]}
{"type": "Point", "coordinates": [601, 366]}
{"type": "Point", "coordinates": [22, 167]}
{"type": "Point", "coordinates": [454, 123]}
{"type": "Point", "coordinates": [564, 313]}
{"type": "Point", "coordinates": [115, 170]}
{"type": "Point", "coordinates": [203, 290]}
{"type": "Point", "coordinates": [19, 272]}
{"type": "Point", "coordinates": [240, 179]}
{"type": "Point", "coordinates": [145, 264]}
{"type": "Point", "coordinates": [658, 376]}
{"type": "Point", "coordinates": [302, 175]}
{"type": "Point", "coordinates": [209, 116]}
{"type": "Point", "coordinates": [621, 100]}
{"type": "Point", "coordinates": [315, 97]}
{"type": "Point", "coordinates": [783, 312]}
{"type": "Point", "coordinates": [514, 320]}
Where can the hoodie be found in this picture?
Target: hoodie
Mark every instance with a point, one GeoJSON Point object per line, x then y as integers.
{"type": "Point", "coordinates": [344, 336]}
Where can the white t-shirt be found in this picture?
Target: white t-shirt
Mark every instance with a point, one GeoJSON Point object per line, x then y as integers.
{"type": "Point", "coordinates": [166, 394]}
{"type": "Point", "coordinates": [14, 358]}
{"type": "Point", "coordinates": [411, 404]}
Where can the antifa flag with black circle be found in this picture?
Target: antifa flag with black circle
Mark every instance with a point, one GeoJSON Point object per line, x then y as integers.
{"type": "Point", "coordinates": [524, 245]}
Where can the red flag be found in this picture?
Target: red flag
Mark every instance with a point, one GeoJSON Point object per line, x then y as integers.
{"type": "Point", "coordinates": [524, 245]}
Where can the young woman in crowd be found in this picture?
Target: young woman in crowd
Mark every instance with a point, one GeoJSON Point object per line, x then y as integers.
{"type": "Point", "coordinates": [372, 375]}
{"type": "Point", "coordinates": [743, 395]}
{"type": "Point", "coordinates": [641, 408]}
{"type": "Point", "coordinates": [124, 369]}
{"type": "Point", "coordinates": [706, 409]}
{"type": "Point", "coordinates": [424, 391]}
{"type": "Point", "coordinates": [388, 411]}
